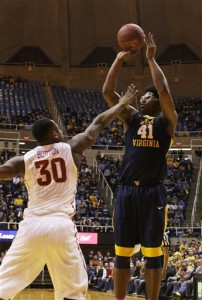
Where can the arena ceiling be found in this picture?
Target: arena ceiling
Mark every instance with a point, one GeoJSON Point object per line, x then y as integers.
{"type": "Point", "coordinates": [82, 32]}
{"type": "Point", "coordinates": [176, 25]}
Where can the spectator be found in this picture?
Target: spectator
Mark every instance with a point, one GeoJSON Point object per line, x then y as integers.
{"type": "Point", "coordinates": [91, 271]}
{"type": "Point", "coordinates": [139, 283]}
{"type": "Point", "coordinates": [135, 274]}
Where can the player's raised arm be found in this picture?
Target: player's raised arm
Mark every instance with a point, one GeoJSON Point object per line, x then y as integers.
{"type": "Point", "coordinates": [109, 88]}
{"type": "Point", "coordinates": [82, 141]}
{"type": "Point", "coordinates": [161, 84]}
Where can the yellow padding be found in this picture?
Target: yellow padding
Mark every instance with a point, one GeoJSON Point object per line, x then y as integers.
{"type": "Point", "coordinates": [151, 252]}
{"type": "Point", "coordinates": [123, 251]}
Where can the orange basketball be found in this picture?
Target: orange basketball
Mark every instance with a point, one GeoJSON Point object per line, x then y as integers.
{"type": "Point", "coordinates": [130, 36]}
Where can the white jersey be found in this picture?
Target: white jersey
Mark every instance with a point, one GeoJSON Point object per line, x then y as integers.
{"type": "Point", "coordinates": [51, 180]}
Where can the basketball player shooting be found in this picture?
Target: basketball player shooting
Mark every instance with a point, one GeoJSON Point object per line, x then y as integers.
{"type": "Point", "coordinates": [47, 235]}
{"type": "Point", "coordinates": [141, 207]}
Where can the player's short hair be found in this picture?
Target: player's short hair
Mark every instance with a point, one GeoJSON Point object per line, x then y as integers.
{"type": "Point", "coordinates": [151, 88]}
{"type": "Point", "coordinates": [41, 128]}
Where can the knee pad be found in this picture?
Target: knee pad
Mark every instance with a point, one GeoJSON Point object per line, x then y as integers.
{"type": "Point", "coordinates": [154, 262]}
{"type": "Point", "coordinates": [122, 262]}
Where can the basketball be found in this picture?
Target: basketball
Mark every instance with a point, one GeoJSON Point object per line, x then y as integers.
{"type": "Point", "coordinates": [130, 36]}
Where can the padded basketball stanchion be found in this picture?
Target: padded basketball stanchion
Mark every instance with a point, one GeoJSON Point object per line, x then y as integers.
{"type": "Point", "coordinates": [197, 286]}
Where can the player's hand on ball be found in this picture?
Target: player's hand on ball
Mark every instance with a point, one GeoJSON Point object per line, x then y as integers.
{"type": "Point", "coordinates": [151, 46]}
{"type": "Point", "coordinates": [127, 54]}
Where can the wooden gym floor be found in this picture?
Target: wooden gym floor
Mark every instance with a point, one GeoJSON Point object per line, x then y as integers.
{"type": "Point", "coordinates": [48, 294]}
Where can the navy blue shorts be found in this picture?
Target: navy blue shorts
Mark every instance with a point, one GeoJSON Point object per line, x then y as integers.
{"type": "Point", "coordinates": [140, 217]}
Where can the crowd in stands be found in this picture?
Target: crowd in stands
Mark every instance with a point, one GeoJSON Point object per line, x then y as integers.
{"type": "Point", "coordinates": [112, 137]}
{"type": "Point", "coordinates": [20, 121]}
{"type": "Point", "coordinates": [92, 213]}
{"type": "Point", "coordinates": [13, 195]}
{"type": "Point", "coordinates": [185, 259]}
{"type": "Point", "coordinates": [22, 102]}
{"type": "Point", "coordinates": [79, 107]}
{"type": "Point", "coordinates": [177, 183]}
{"type": "Point", "coordinates": [189, 115]}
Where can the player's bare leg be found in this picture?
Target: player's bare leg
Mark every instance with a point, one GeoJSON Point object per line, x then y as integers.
{"type": "Point", "coordinates": [153, 279]}
{"type": "Point", "coordinates": [121, 279]}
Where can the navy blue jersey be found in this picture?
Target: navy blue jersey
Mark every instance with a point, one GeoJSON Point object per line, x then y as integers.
{"type": "Point", "coordinates": [146, 145]}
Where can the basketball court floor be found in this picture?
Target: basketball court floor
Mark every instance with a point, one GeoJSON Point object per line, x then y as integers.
{"type": "Point", "coordinates": [48, 294]}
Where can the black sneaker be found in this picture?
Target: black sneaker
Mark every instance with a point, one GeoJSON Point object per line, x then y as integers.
{"type": "Point", "coordinates": [164, 297]}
